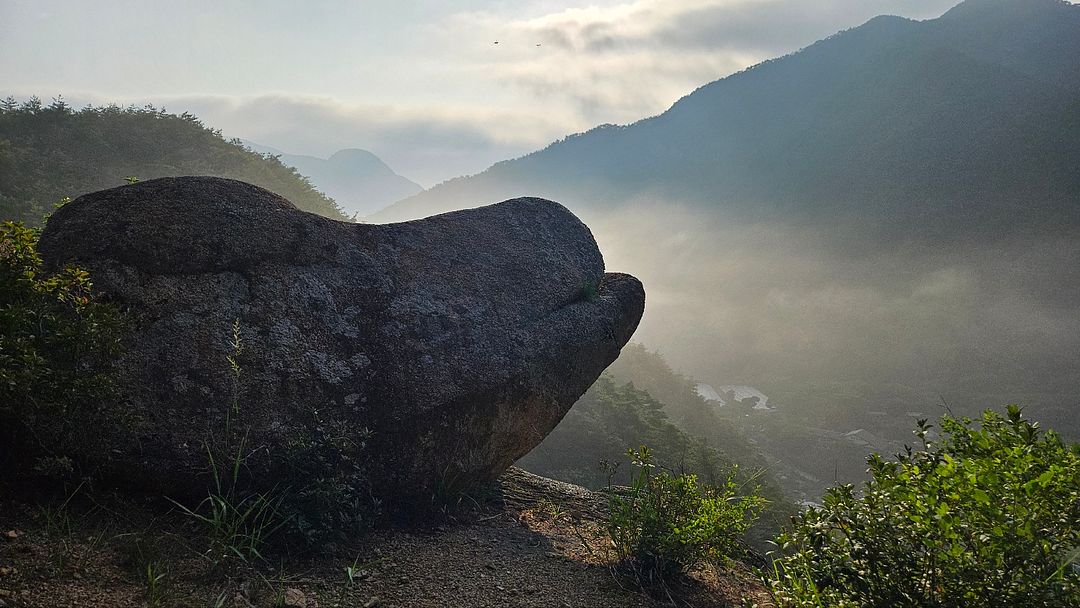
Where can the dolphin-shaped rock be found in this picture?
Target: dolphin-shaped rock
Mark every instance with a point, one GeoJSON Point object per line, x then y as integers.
{"type": "Point", "coordinates": [423, 355]}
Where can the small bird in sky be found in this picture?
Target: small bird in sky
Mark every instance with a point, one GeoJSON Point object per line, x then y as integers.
{"type": "Point", "coordinates": [496, 42]}
{"type": "Point", "coordinates": [537, 44]}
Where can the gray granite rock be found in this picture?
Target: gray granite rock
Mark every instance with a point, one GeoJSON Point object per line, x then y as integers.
{"type": "Point", "coordinates": [426, 354]}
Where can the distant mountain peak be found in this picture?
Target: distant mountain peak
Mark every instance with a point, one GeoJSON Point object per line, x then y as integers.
{"type": "Point", "coordinates": [356, 155]}
{"type": "Point", "coordinates": [898, 117]}
{"type": "Point", "coordinates": [995, 9]}
{"type": "Point", "coordinates": [357, 179]}
{"type": "Point", "coordinates": [889, 20]}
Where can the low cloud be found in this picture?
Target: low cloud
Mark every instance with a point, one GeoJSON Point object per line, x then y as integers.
{"type": "Point", "coordinates": [628, 61]}
{"type": "Point", "coordinates": [425, 144]}
{"type": "Point", "coordinates": [453, 102]}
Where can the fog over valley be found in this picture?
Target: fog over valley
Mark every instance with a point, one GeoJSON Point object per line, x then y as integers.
{"type": "Point", "coordinates": [645, 303]}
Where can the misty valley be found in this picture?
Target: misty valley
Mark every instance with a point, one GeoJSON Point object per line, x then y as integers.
{"type": "Point", "coordinates": [808, 336]}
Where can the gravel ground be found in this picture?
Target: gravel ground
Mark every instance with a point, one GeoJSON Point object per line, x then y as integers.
{"type": "Point", "coordinates": [539, 544]}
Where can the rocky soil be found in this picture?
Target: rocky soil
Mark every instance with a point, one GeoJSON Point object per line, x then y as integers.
{"type": "Point", "coordinates": [534, 542]}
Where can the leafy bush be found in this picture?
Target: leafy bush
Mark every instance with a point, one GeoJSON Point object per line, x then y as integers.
{"type": "Point", "coordinates": [665, 524]}
{"type": "Point", "coordinates": [614, 414]}
{"type": "Point", "coordinates": [329, 501]}
{"type": "Point", "coordinates": [990, 516]}
{"type": "Point", "coordinates": [56, 343]}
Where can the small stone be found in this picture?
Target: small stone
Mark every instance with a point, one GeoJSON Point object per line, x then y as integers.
{"type": "Point", "coordinates": [12, 534]}
{"type": "Point", "coordinates": [7, 570]}
{"type": "Point", "coordinates": [491, 566]}
{"type": "Point", "coordinates": [295, 598]}
{"type": "Point", "coordinates": [372, 603]}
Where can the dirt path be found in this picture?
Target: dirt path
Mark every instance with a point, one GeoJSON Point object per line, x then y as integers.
{"type": "Point", "coordinates": [539, 545]}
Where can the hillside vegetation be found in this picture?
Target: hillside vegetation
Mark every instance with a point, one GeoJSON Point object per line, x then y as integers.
{"type": "Point", "coordinates": [984, 513]}
{"type": "Point", "coordinates": [641, 401]}
{"type": "Point", "coordinates": [51, 152]}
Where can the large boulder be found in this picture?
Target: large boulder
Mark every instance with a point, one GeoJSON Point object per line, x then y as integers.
{"type": "Point", "coordinates": [426, 354]}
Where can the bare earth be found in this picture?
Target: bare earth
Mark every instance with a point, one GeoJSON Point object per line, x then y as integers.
{"type": "Point", "coordinates": [538, 544]}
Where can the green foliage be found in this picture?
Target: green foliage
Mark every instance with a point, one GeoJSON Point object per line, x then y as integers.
{"type": "Point", "coordinates": [57, 519]}
{"type": "Point", "coordinates": [665, 524]}
{"type": "Point", "coordinates": [239, 524]}
{"type": "Point", "coordinates": [642, 401]}
{"type": "Point", "coordinates": [990, 516]}
{"type": "Point", "coordinates": [321, 496]}
{"type": "Point", "coordinates": [154, 577]}
{"type": "Point", "coordinates": [57, 340]}
{"type": "Point", "coordinates": [609, 417]}
{"type": "Point", "coordinates": [330, 499]}
{"type": "Point", "coordinates": [683, 406]}
{"type": "Point", "coordinates": [51, 151]}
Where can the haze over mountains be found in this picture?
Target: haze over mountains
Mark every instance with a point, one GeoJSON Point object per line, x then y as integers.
{"type": "Point", "coordinates": [904, 118]}
{"type": "Point", "coordinates": [887, 217]}
{"type": "Point", "coordinates": [360, 182]}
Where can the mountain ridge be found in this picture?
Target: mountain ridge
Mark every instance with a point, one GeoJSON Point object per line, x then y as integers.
{"type": "Point", "coordinates": [48, 152]}
{"type": "Point", "coordinates": [878, 108]}
{"type": "Point", "coordinates": [895, 204]}
{"type": "Point", "coordinates": [357, 179]}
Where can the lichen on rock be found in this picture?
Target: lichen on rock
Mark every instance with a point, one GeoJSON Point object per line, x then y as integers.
{"type": "Point", "coordinates": [429, 353]}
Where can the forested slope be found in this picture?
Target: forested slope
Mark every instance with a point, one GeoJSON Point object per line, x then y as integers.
{"type": "Point", "coordinates": [49, 152]}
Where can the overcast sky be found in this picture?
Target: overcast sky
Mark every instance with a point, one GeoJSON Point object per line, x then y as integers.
{"type": "Point", "coordinates": [422, 84]}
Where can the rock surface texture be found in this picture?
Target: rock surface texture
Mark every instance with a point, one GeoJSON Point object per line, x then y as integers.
{"type": "Point", "coordinates": [428, 354]}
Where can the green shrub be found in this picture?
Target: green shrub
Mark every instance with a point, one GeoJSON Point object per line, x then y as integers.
{"type": "Point", "coordinates": [990, 516]}
{"type": "Point", "coordinates": [329, 501]}
{"type": "Point", "coordinates": [664, 524]}
{"type": "Point", "coordinates": [56, 344]}
{"type": "Point", "coordinates": [238, 524]}
{"type": "Point", "coordinates": [321, 496]}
